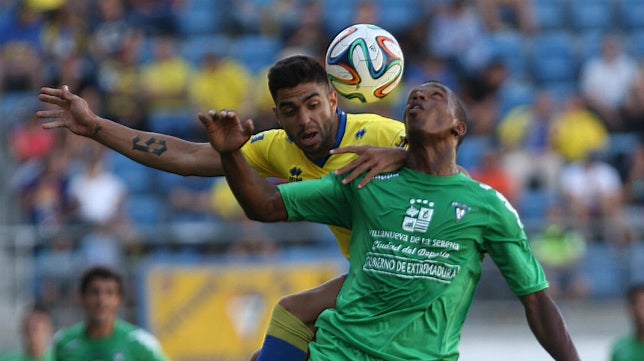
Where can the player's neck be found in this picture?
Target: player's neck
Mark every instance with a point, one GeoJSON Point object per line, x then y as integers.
{"type": "Point", "coordinates": [433, 160]}
{"type": "Point", "coordinates": [100, 329]}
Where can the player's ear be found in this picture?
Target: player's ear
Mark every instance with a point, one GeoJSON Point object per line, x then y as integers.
{"type": "Point", "coordinates": [459, 129]}
{"type": "Point", "coordinates": [333, 99]}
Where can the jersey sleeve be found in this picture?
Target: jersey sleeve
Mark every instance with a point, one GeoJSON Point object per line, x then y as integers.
{"type": "Point", "coordinates": [324, 200]}
{"type": "Point", "coordinates": [257, 152]}
{"type": "Point", "coordinates": [506, 241]}
{"type": "Point", "coordinates": [147, 347]}
{"type": "Point", "coordinates": [391, 133]}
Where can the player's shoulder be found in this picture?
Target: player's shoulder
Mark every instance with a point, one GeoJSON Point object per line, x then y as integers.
{"type": "Point", "coordinates": [67, 334]}
{"type": "Point", "coordinates": [367, 118]}
{"type": "Point", "coordinates": [268, 136]}
{"type": "Point", "coordinates": [137, 335]}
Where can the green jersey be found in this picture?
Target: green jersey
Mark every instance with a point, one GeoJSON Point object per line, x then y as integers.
{"type": "Point", "coordinates": [628, 348]}
{"type": "Point", "coordinates": [417, 247]}
{"type": "Point", "coordinates": [127, 343]}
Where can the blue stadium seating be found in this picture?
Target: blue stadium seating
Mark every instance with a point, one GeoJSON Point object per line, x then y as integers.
{"type": "Point", "coordinates": [399, 15]}
{"type": "Point", "coordinates": [549, 14]}
{"type": "Point", "coordinates": [591, 14]}
{"type": "Point", "coordinates": [137, 177]}
{"type": "Point", "coordinates": [256, 52]}
{"type": "Point", "coordinates": [554, 57]}
{"type": "Point", "coordinates": [145, 209]}
{"type": "Point", "coordinates": [200, 17]}
{"type": "Point", "coordinates": [634, 43]}
{"type": "Point", "coordinates": [508, 46]}
{"type": "Point", "coordinates": [631, 14]}
{"type": "Point", "coordinates": [194, 47]}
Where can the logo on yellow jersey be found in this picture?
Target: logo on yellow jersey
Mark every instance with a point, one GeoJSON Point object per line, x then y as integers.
{"type": "Point", "coordinates": [360, 133]}
{"type": "Point", "coordinates": [402, 142]}
{"type": "Point", "coordinates": [295, 174]}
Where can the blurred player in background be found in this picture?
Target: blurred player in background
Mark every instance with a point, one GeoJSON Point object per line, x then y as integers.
{"type": "Point", "coordinates": [631, 347]}
{"type": "Point", "coordinates": [103, 335]}
{"type": "Point", "coordinates": [36, 332]}
{"type": "Point", "coordinates": [306, 107]}
{"type": "Point", "coordinates": [419, 236]}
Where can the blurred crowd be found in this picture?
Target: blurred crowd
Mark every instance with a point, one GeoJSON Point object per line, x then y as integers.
{"type": "Point", "coordinates": [556, 98]}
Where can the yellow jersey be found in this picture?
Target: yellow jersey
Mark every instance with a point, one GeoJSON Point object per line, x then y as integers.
{"type": "Point", "coordinates": [273, 155]}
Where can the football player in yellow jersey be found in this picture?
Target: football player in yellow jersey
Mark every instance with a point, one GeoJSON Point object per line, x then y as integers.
{"type": "Point", "coordinates": [312, 127]}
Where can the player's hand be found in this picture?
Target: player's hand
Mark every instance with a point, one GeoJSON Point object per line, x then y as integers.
{"type": "Point", "coordinates": [371, 161]}
{"type": "Point", "coordinates": [226, 132]}
{"type": "Point", "coordinates": [71, 111]}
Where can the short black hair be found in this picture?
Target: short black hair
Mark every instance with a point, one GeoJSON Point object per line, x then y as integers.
{"type": "Point", "coordinates": [294, 70]}
{"type": "Point", "coordinates": [633, 290]}
{"type": "Point", "coordinates": [100, 272]}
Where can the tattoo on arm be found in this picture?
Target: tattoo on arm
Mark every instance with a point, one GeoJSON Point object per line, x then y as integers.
{"type": "Point", "coordinates": [96, 131]}
{"type": "Point", "coordinates": [151, 145]}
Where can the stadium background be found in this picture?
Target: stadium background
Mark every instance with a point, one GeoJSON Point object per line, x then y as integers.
{"type": "Point", "coordinates": [198, 275]}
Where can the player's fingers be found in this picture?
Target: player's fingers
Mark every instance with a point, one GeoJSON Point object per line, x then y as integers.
{"type": "Point", "coordinates": [367, 178]}
{"type": "Point", "coordinates": [348, 149]}
{"type": "Point", "coordinates": [52, 99]}
{"type": "Point", "coordinates": [249, 127]}
{"type": "Point", "coordinates": [205, 120]}
{"type": "Point", "coordinates": [66, 93]}
{"type": "Point", "coordinates": [53, 124]}
{"type": "Point", "coordinates": [355, 173]}
{"type": "Point", "coordinates": [49, 114]}
{"type": "Point", "coordinates": [50, 91]}
{"type": "Point", "coordinates": [349, 167]}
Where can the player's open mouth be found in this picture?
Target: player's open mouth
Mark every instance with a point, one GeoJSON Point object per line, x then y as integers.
{"type": "Point", "coordinates": [309, 138]}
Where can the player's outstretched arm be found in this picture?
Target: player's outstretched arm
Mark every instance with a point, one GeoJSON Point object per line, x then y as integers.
{"type": "Point", "coordinates": [260, 199]}
{"type": "Point", "coordinates": [154, 150]}
{"type": "Point", "coordinates": [548, 326]}
{"type": "Point", "coordinates": [371, 161]}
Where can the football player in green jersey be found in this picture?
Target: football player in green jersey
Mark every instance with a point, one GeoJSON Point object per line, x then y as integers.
{"type": "Point", "coordinates": [103, 335]}
{"type": "Point", "coordinates": [631, 347]}
{"type": "Point", "coordinates": [419, 236]}
{"type": "Point", "coordinates": [307, 109]}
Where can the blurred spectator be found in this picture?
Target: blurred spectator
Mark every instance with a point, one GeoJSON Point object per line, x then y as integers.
{"type": "Point", "coordinates": [111, 28]}
{"type": "Point", "coordinates": [101, 246]}
{"type": "Point", "coordinates": [43, 196]}
{"type": "Point", "coordinates": [25, 26]}
{"type": "Point", "coordinates": [66, 32]}
{"type": "Point", "coordinates": [525, 135]}
{"type": "Point", "coordinates": [480, 93]}
{"type": "Point", "coordinates": [457, 35]}
{"type": "Point", "coordinates": [429, 67]}
{"type": "Point", "coordinates": [630, 347]}
{"type": "Point", "coordinates": [98, 194]}
{"type": "Point", "coordinates": [367, 12]}
{"type": "Point", "coordinates": [189, 199]}
{"type": "Point", "coordinates": [507, 15]}
{"type": "Point", "coordinates": [634, 107]}
{"type": "Point", "coordinates": [492, 173]}
{"type": "Point", "coordinates": [166, 79]}
{"type": "Point", "coordinates": [561, 248]}
{"type": "Point", "coordinates": [29, 141]}
{"type": "Point", "coordinates": [119, 79]}
{"type": "Point", "coordinates": [154, 17]}
{"type": "Point", "coordinates": [593, 192]}
{"type": "Point", "coordinates": [36, 331]}
{"type": "Point", "coordinates": [577, 132]}
{"type": "Point", "coordinates": [606, 80]}
{"type": "Point", "coordinates": [221, 83]}
{"type": "Point", "coordinates": [55, 265]}
{"type": "Point", "coordinates": [634, 185]}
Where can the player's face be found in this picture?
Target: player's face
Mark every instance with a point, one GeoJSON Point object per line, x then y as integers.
{"type": "Point", "coordinates": [307, 112]}
{"type": "Point", "coordinates": [430, 111]}
{"type": "Point", "coordinates": [101, 301]}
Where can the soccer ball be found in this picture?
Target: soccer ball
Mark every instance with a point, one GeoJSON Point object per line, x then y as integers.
{"type": "Point", "coordinates": [364, 63]}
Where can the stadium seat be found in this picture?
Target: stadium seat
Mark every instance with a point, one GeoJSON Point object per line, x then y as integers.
{"type": "Point", "coordinates": [256, 52]}
{"type": "Point", "coordinates": [514, 94]}
{"type": "Point", "coordinates": [194, 47]}
{"type": "Point", "coordinates": [591, 14]}
{"type": "Point", "coordinates": [631, 14]}
{"type": "Point", "coordinates": [145, 209]}
{"type": "Point", "coordinates": [508, 46]}
{"type": "Point", "coordinates": [180, 124]}
{"type": "Point", "coordinates": [338, 14]}
{"type": "Point", "coordinates": [398, 16]}
{"type": "Point", "coordinates": [200, 17]}
{"type": "Point", "coordinates": [553, 57]}
{"type": "Point", "coordinates": [549, 14]}
{"type": "Point", "coordinates": [137, 177]}
{"type": "Point", "coordinates": [471, 151]}
{"type": "Point", "coordinates": [634, 43]}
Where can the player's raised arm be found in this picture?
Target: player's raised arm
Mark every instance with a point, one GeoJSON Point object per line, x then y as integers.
{"type": "Point", "coordinates": [154, 150]}
{"type": "Point", "coordinates": [371, 160]}
{"type": "Point", "coordinates": [548, 326]}
{"type": "Point", "coordinates": [260, 199]}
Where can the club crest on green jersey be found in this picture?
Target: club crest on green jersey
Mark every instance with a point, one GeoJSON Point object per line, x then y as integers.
{"type": "Point", "coordinates": [418, 215]}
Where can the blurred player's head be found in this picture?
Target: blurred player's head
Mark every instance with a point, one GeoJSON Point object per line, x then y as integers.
{"type": "Point", "coordinates": [305, 105]}
{"type": "Point", "coordinates": [101, 291]}
{"type": "Point", "coordinates": [635, 296]}
{"type": "Point", "coordinates": [435, 111]}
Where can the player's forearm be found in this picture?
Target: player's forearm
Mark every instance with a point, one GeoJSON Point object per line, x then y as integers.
{"type": "Point", "coordinates": [158, 151]}
{"type": "Point", "coordinates": [548, 326]}
{"type": "Point", "coordinates": [260, 199]}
